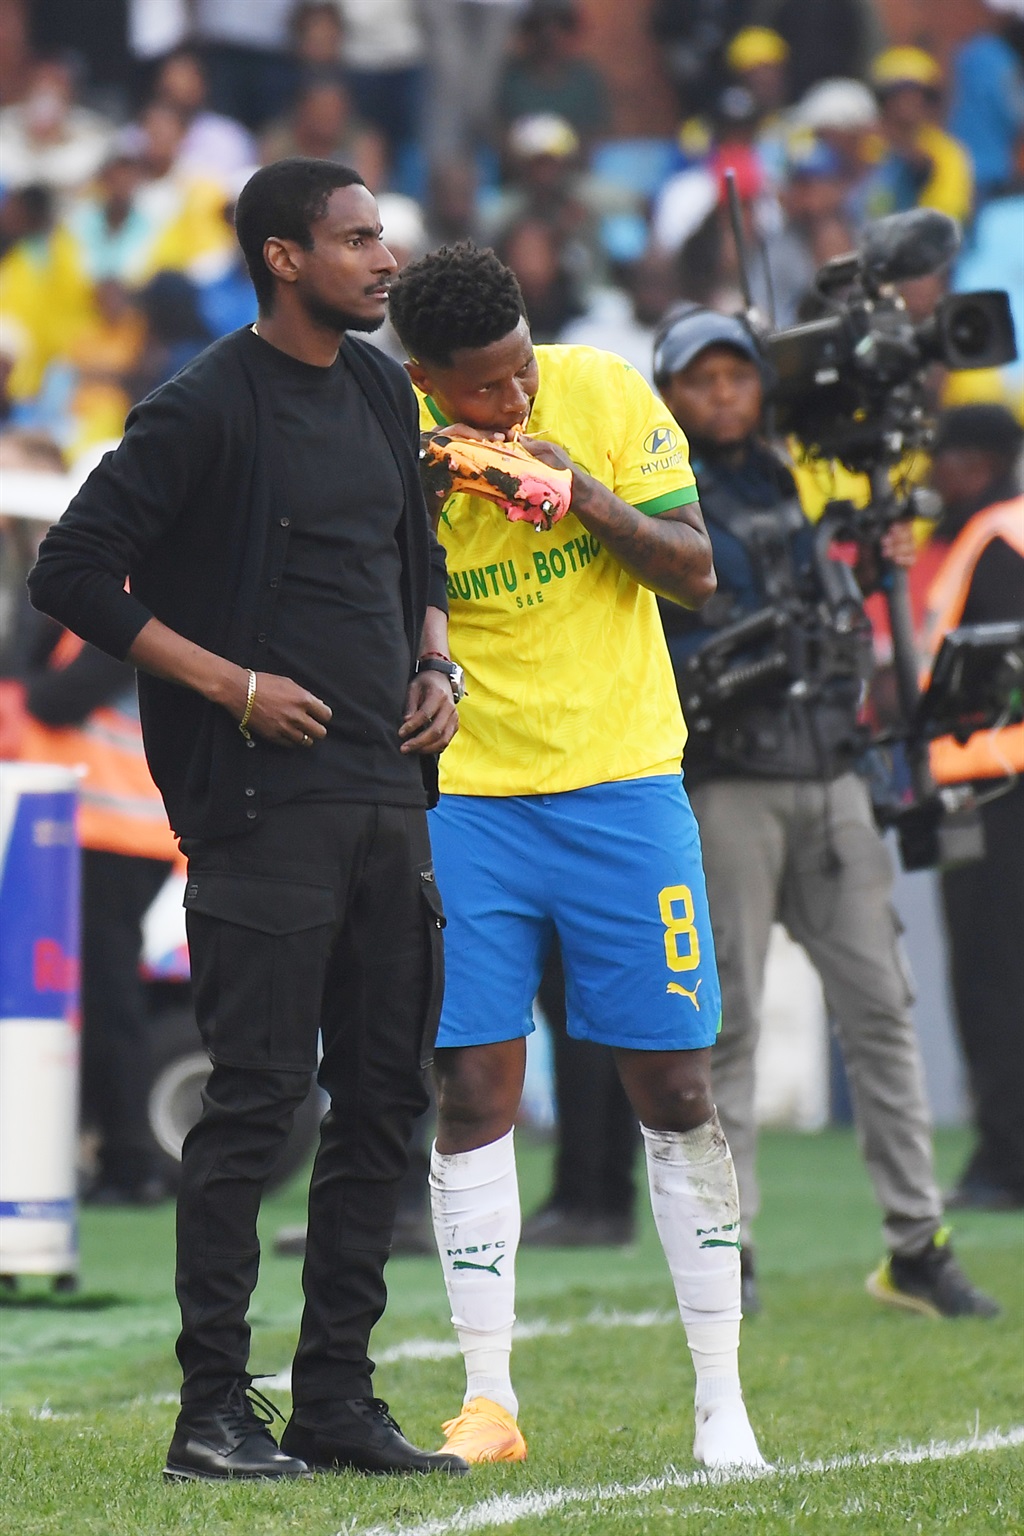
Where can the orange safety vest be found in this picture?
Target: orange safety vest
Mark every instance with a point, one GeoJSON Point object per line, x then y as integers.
{"type": "Point", "coordinates": [987, 754]}
{"type": "Point", "coordinates": [119, 806]}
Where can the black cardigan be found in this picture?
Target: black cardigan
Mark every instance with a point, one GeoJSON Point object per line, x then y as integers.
{"type": "Point", "coordinates": [185, 510]}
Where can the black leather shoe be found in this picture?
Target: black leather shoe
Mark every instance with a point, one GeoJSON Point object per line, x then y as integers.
{"type": "Point", "coordinates": [229, 1438]}
{"type": "Point", "coordinates": [363, 1437]}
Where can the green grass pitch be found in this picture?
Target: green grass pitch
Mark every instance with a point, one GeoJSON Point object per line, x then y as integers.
{"type": "Point", "coordinates": [875, 1420]}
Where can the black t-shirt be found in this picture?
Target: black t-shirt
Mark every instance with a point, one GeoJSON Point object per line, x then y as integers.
{"type": "Point", "coordinates": [337, 626]}
{"type": "Point", "coordinates": [996, 593]}
{"type": "Point", "coordinates": [997, 586]}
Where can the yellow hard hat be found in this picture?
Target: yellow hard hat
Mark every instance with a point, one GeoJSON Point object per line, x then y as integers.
{"type": "Point", "coordinates": [754, 46]}
{"type": "Point", "coordinates": [983, 386]}
{"type": "Point", "coordinates": [906, 66]}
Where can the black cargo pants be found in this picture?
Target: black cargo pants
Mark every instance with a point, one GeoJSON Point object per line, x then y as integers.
{"type": "Point", "coordinates": [326, 917]}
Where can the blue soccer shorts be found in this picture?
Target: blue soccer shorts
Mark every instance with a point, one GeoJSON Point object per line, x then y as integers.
{"type": "Point", "coordinates": [616, 870]}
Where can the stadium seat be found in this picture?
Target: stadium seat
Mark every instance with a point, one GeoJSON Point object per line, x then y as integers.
{"type": "Point", "coordinates": [640, 166]}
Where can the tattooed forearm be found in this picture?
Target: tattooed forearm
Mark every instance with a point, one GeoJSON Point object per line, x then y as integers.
{"type": "Point", "coordinates": [671, 553]}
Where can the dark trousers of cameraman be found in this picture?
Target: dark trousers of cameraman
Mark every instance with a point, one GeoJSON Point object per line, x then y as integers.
{"type": "Point", "coordinates": [984, 905]}
{"type": "Point", "coordinates": [598, 1134]}
{"type": "Point", "coordinates": [116, 1063]}
{"type": "Point", "coordinates": [807, 854]}
{"type": "Point", "coordinates": [323, 918]}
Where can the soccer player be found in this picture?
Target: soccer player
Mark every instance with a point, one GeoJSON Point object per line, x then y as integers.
{"type": "Point", "coordinates": [563, 810]}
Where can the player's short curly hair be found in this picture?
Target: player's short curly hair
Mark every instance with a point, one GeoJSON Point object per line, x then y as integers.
{"type": "Point", "coordinates": [459, 296]}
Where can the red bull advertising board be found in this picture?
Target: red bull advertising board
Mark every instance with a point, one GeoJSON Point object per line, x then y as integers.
{"type": "Point", "coordinates": [39, 1021]}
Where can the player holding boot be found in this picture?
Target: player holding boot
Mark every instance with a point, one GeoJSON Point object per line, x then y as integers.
{"type": "Point", "coordinates": [562, 809]}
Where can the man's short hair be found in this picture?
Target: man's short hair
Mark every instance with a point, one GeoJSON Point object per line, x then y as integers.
{"type": "Point", "coordinates": [987, 428]}
{"type": "Point", "coordinates": [285, 200]}
{"type": "Point", "coordinates": [459, 296]}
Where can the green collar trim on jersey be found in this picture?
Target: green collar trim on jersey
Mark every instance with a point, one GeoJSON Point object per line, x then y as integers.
{"type": "Point", "coordinates": [670, 499]}
{"type": "Point", "coordinates": [437, 414]}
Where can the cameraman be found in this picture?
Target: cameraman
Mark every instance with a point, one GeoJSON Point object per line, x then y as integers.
{"type": "Point", "coordinates": [786, 823]}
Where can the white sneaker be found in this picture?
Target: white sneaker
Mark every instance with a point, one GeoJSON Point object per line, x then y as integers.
{"type": "Point", "coordinates": [724, 1439]}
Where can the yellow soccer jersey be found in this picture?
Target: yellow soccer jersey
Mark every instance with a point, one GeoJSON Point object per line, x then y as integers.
{"type": "Point", "coordinates": [569, 677]}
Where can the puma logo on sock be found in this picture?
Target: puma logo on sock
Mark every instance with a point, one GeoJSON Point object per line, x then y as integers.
{"type": "Point", "coordinates": [720, 1241]}
{"type": "Point", "coordinates": [459, 1262]}
{"type": "Point", "coordinates": [490, 1269]}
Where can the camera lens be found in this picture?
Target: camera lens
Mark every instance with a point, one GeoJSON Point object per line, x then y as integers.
{"type": "Point", "coordinates": [970, 330]}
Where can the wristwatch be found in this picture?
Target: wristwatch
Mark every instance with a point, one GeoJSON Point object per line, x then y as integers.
{"type": "Point", "coordinates": [452, 671]}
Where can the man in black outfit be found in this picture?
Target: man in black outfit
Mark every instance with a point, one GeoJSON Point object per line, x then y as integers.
{"type": "Point", "coordinates": [286, 610]}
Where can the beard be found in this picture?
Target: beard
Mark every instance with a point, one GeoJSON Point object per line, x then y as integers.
{"type": "Point", "coordinates": [335, 319]}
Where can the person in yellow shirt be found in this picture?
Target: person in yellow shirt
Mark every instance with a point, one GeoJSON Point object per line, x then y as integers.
{"type": "Point", "coordinates": [920, 165]}
{"type": "Point", "coordinates": [42, 286]}
{"type": "Point", "coordinates": [562, 810]}
{"type": "Point", "coordinates": [87, 392]}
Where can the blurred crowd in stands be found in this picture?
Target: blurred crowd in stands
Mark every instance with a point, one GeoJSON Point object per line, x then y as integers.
{"type": "Point", "coordinates": [121, 154]}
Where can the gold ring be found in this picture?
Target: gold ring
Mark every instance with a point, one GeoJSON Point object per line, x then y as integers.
{"type": "Point", "coordinates": [307, 741]}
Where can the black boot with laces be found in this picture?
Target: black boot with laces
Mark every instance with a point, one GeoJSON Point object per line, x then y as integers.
{"type": "Point", "coordinates": [229, 1437]}
{"type": "Point", "coordinates": [362, 1436]}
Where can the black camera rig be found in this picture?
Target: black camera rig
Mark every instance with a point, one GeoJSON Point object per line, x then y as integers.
{"type": "Point", "coordinates": [850, 383]}
{"type": "Point", "coordinates": [850, 379]}
{"type": "Point", "coordinates": [797, 644]}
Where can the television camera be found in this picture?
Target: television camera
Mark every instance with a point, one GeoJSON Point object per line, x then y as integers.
{"type": "Point", "coordinates": [849, 381]}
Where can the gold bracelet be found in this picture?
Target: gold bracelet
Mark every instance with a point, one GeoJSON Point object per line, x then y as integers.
{"type": "Point", "coordinates": [250, 700]}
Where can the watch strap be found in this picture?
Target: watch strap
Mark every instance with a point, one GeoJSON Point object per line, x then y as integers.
{"type": "Point", "coordinates": [451, 670]}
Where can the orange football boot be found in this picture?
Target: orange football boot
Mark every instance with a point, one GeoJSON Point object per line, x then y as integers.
{"type": "Point", "coordinates": [484, 1431]}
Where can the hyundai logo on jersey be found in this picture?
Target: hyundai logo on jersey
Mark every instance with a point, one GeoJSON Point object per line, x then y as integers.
{"type": "Point", "coordinates": [661, 440]}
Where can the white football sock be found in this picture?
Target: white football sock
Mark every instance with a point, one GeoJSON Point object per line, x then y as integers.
{"type": "Point", "coordinates": [474, 1199]}
{"type": "Point", "coordinates": [697, 1212]}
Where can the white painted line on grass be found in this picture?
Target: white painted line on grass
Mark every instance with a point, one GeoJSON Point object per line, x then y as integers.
{"type": "Point", "coordinates": [542, 1328]}
{"type": "Point", "coordinates": [440, 1349]}
{"type": "Point", "coordinates": [76, 1332]}
{"type": "Point", "coordinates": [505, 1509]}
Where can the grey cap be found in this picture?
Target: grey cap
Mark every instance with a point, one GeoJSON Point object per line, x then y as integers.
{"type": "Point", "coordinates": [691, 333]}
